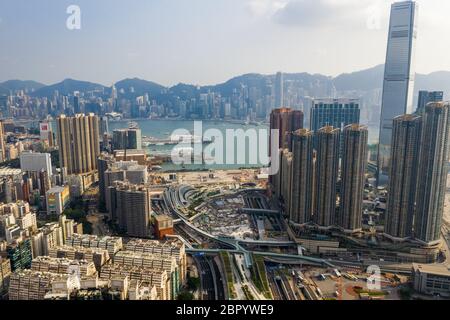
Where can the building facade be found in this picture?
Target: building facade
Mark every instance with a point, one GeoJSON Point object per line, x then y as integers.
{"type": "Point", "coordinates": [286, 121]}
{"type": "Point", "coordinates": [399, 76]}
{"type": "Point", "coordinates": [127, 139]}
{"type": "Point", "coordinates": [354, 165]}
{"type": "Point", "coordinates": [326, 175]}
{"type": "Point", "coordinates": [337, 113]}
{"type": "Point", "coordinates": [425, 97]}
{"type": "Point", "coordinates": [302, 177]}
{"type": "Point", "coordinates": [433, 171]}
{"type": "Point", "coordinates": [79, 144]}
{"type": "Point", "coordinates": [406, 141]}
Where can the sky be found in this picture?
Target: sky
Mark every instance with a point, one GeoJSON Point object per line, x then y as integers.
{"type": "Point", "coordinates": [206, 41]}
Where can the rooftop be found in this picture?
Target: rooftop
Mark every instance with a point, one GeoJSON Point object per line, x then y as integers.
{"type": "Point", "coordinates": [436, 269]}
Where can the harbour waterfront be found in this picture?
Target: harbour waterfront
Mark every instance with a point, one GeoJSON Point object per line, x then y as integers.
{"type": "Point", "coordinates": [163, 129]}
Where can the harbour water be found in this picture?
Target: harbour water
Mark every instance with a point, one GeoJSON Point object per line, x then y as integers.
{"type": "Point", "coordinates": [163, 129]}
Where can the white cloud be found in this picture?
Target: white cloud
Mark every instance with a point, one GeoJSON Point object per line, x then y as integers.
{"type": "Point", "coordinates": [316, 13]}
{"type": "Point", "coordinates": [259, 8]}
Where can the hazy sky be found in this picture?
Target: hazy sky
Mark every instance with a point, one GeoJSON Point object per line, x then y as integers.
{"type": "Point", "coordinates": [206, 41]}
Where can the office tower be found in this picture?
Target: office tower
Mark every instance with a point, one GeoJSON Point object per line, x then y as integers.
{"type": "Point", "coordinates": [114, 97]}
{"type": "Point", "coordinates": [399, 75]}
{"type": "Point", "coordinates": [104, 126]}
{"type": "Point", "coordinates": [433, 170]}
{"type": "Point", "coordinates": [4, 105]}
{"type": "Point", "coordinates": [20, 254]}
{"type": "Point", "coordinates": [36, 162]}
{"type": "Point", "coordinates": [279, 90]}
{"type": "Point", "coordinates": [425, 97]}
{"type": "Point", "coordinates": [133, 207]}
{"type": "Point", "coordinates": [406, 135]}
{"type": "Point", "coordinates": [2, 143]}
{"type": "Point", "coordinates": [127, 139]}
{"type": "Point", "coordinates": [354, 164]}
{"type": "Point", "coordinates": [46, 133]}
{"type": "Point", "coordinates": [327, 164]}
{"type": "Point", "coordinates": [76, 105]}
{"type": "Point", "coordinates": [79, 146]}
{"type": "Point", "coordinates": [285, 120]}
{"type": "Point", "coordinates": [302, 177]}
{"type": "Point", "coordinates": [337, 113]}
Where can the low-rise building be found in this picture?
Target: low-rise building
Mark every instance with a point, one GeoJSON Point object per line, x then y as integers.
{"type": "Point", "coordinates": [163, 226]}
{"type": "Point", "coordinates": [63, 266]}
{"type": "Point", "coordinates": [111, 244]}
{"type": "Point", "coordinates": [96, 255]}
{"type": "Point", "coordinates": [174, 248]}
{"type": "Point", "coordinates": [433, 279]}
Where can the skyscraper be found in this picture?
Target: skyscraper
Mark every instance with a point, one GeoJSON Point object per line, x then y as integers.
{"type": "Point", "coordinates": [2, 143]}
{"type": "Point", "coordinates": [399, 75]}
{"type": "Point", "coordinates": [302, 177]}
{"type": "Point", "coordinates": [286, 179]}
{"type": "Point", "coordinates": [354, 164]}
{"type": "Point", "coordinates": [279, 90]}
{"type": "Point", "coordinates": [337, 113]}
{"type": "Point", "coordinates": [286, 120]}
{"type": "Point", "coordinates": [76, 104]}
{"type": "Point", "coordinates": [433, 170]}
{"type": "Point", "coordinates": [425, 97]}
{"type": "Point", "coordinates": [405, 150]}
{"type": "Point", "coordinates": [327, 164]}
{"type": "Point", "coordinates": [133, 208]}
{"type": "Point", "coordinates": [78, 140]}
{"type": "Point", "coordinates": [127, 139]}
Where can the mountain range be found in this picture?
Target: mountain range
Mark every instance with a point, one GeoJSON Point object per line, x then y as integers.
{"type": "Point", "coordinates": [360, 81]}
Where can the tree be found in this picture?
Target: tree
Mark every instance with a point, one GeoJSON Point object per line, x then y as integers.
{"type": "Point", "coordinates": [185, 295]}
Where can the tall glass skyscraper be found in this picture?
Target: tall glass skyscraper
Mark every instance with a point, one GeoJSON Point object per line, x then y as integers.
{"type": "Point", "coordinates": [425, 97]}
{"type": "Point", "coordinates": [399, 75]}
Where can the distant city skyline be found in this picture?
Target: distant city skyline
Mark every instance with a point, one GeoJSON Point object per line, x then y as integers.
{"type": "Point", "coordinates": [218, 39]}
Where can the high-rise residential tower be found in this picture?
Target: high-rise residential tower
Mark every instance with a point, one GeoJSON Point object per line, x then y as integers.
{"type": "Point", "coordinates": [2, 143]}
{"type": "Point", "coordinates": [286, 120]}
{"type": "Point", "coordinates": [406, 138]}
{"type": "Point", "coordinates": [302, 177]}
{"type": "Point", "coordinates": [133, 208]}
{"type": "Point", "coordinates": [354, 164]}
{"type": "Point", "coordinates": [433, 171]}
{"type": "Point", "coordinates": [78, 140]}
{"type": "Point", "coordinates": [326, 175]}
{"type": "Point", "coordinates": [286, 179]}
{"type": "Point", "coordinates": [399, 75]}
